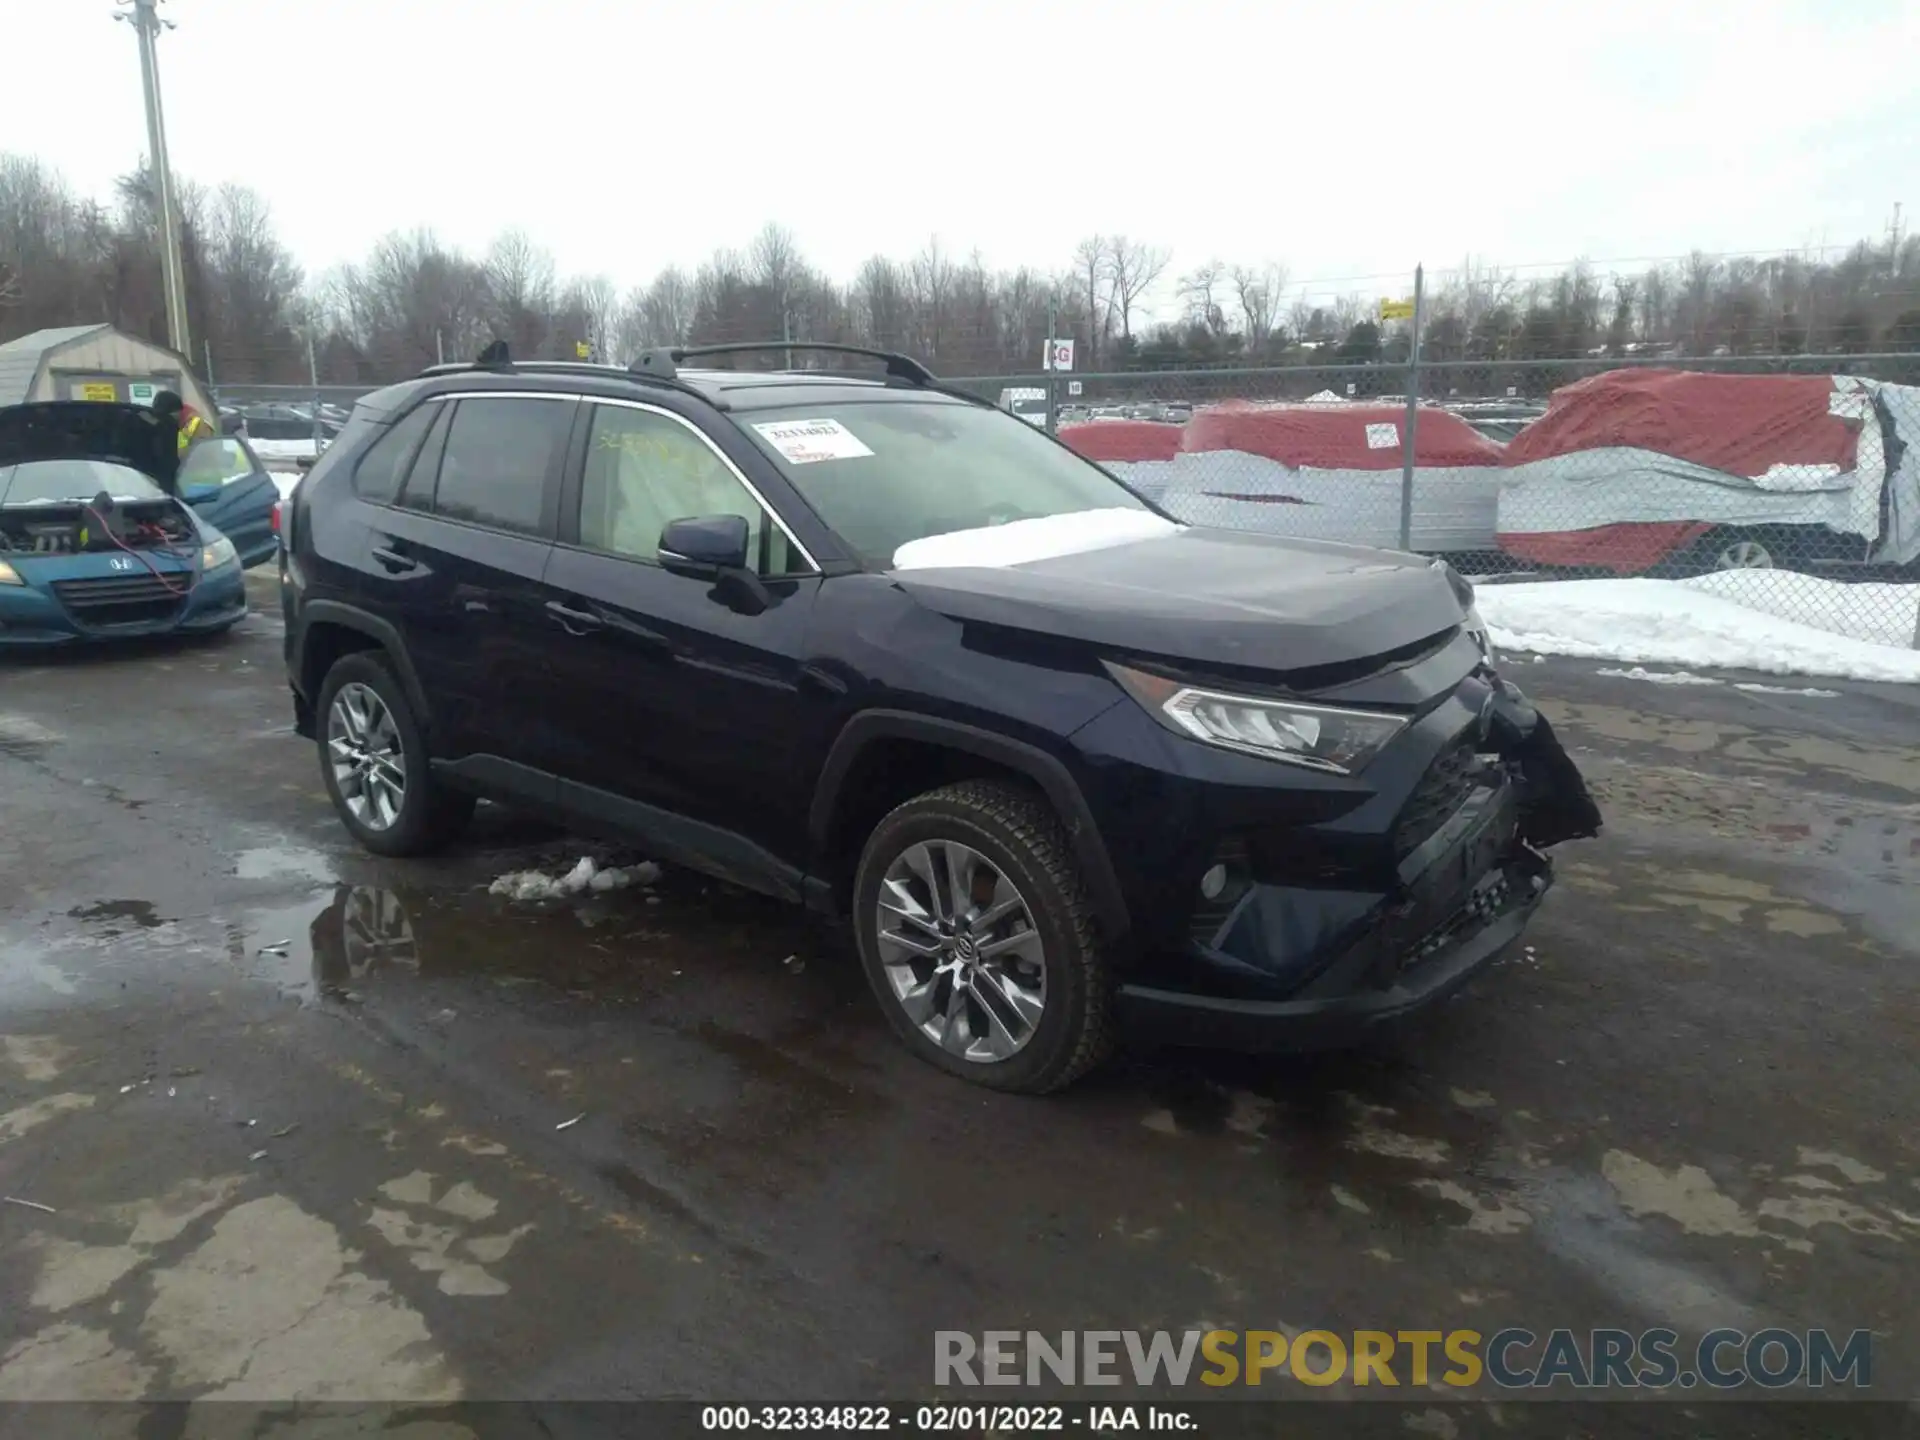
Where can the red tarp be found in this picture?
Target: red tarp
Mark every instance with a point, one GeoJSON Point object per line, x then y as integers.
{"type": "Point", "coordinates": [1737, 424]}
{"type": "Point", "coordinates": [1123, 439]}
{"type": "Point", "coordinates": [1336, 437]}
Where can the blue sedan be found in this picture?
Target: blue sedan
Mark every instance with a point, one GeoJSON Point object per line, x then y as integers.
{"type": "Point", "coordinates": [95, 539]}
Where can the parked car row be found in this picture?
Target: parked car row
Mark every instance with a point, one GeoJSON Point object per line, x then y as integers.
{"type": "Point", "coordinates": [1628, 472]}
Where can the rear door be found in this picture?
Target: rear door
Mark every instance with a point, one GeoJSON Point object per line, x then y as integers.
{"type": "Point", "coordinates": [679, 697]}
{"type": "Point", "coordinates": [460, 553]}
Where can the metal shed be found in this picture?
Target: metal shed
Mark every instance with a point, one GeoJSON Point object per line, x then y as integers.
{"type": "Point", "coordinates": [95, 362]}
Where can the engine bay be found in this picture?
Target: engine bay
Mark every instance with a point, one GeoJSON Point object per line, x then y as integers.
{"type": "Point", "coordinates": [78, 528]}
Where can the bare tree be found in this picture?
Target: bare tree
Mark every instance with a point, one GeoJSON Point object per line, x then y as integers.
{"type": "Point", "coordinates": [598, 303]}
{"type": "Point", "coordinates": [883, 312]}
{"type": "Point", "coordinates": [666, 310]}
{"type": "Point", "coordinates": [1201, 292]}
{"type": "Point", "coordinates": [1092, 259]}
{"type": "Point", "coordinates": [1259, 291]}
{"type": "Point", "coordinates": [932, 279]}
{"type": "Point", "coordinates": [1132, 269]}
{"type": "Point", "coordinates": [774, 263]}
{"type": "Point", "coordinates": [520, 283]}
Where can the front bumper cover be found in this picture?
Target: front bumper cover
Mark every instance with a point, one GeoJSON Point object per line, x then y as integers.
{"type": "Point", "coordinates": [1369, 960]}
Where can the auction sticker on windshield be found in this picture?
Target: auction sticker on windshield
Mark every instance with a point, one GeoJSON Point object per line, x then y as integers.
{"type": "Point", "coordinates": [806, 442]}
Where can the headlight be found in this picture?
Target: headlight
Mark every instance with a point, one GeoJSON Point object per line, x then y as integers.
{"type": "Point", "coordinates": [220, 552]}
{"type": "Point", "coordinates": [9, 575]}
{"type": "Point", "coordinates": [1320, 737]}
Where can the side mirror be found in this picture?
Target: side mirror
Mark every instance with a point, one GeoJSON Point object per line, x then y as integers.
{"type": "Point", "coordinates": [704, 547]}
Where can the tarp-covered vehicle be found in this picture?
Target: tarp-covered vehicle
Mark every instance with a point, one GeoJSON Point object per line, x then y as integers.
{"type": "Point", "coordinates": [1329, 471]}
{"type": "Point", "coordinates": [1677, 472]}
{"type": "Point", "coordinates": [95, 541]}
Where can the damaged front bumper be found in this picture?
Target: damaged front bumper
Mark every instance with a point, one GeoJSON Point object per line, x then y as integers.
{"type": "Point", "coordinates": [1355, 961]}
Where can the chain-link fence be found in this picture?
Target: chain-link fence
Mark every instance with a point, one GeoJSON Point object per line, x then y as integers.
{"type": "Point", "coordinates": [1786, 484]}
{"type": "Point", "coordinates": [1789, 485]}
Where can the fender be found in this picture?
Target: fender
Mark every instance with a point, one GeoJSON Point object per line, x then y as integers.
{"type": "Point", "coordinates": [351, 617]}
{"type": "Point", "coordinates": [1053, 778]}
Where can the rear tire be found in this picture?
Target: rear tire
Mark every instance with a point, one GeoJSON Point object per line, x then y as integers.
{"type": "Point", "coordinates": [997, 975]}
{"type": "Point", "coordinates": [374, 763]}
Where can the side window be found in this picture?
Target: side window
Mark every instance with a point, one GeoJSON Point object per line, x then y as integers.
{"type": "Point", "coordinates": [494, 471]}
{"type": "Point", "coordinates": [417, 492]}
{"type": "Point", "coordinates": [644, 470]}
{"type": "Point", "coordinates": [378, 475]}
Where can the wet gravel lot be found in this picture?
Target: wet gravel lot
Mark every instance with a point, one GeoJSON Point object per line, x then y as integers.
{"type": "Point", "coordinates": [300, 1115]}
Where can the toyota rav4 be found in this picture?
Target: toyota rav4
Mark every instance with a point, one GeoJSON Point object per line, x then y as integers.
{"type": "Point", "coordinates": [1069, 768]}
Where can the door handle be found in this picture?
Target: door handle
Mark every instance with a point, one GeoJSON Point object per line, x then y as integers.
{"type": "Point", "coordinates": [394, 561]}
{"type": "Point", "coordinates": [574, 622]}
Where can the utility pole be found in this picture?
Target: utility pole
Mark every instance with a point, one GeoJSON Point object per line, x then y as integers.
{"type": "Point", "coordinates": [146, 22]}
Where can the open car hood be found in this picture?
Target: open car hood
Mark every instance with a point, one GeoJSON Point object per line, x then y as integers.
{"type": "Point", "coordinates": [1221, 597]}
{"type": "Point", "coordinates": [130, 435]}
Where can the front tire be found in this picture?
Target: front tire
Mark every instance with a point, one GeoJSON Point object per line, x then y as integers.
{"type": "Point", "coordinates": [373, 760]}
{"type": "Point", "coordinates": [977, 935]}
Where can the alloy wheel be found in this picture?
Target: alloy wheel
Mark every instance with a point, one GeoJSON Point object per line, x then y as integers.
{"type": "Point", "coordinates": [1743, 555]}
{"type": "Point", "coordinates": [364, 750]}
{"type": "Point", "coordinates": [960, 951]}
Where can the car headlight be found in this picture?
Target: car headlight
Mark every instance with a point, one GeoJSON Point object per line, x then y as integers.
{"type": "Point", "coordinates": [1320, 737]}
{"type": "Point", "coordinates": [9, 575]}
{"type": "Point", "coordinates": [220, 552]}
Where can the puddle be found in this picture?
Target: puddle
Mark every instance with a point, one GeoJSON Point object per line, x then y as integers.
{"type": "Point", "coordinates": [349, 941]}
{"type": "Point", "coordinates": [138, 913]}
{"type": "Point", "coordinates": [278, 862]}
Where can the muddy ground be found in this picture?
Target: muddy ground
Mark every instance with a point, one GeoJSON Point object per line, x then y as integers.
{"type": "Point", "coordinates": [299, 1113]}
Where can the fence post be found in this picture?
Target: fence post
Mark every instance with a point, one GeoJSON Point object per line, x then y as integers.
{"type": "Point", "coordinates": [206, 349]}
{"type": "Point", "coordinates": [1053, 403]}
{"type": "Point", "coordinates": [313, 375]}
{"type": "Point", "coordinates": [1413, 412]}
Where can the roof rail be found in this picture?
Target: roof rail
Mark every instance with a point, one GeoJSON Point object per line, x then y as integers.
{"type": "Point", "coordinates": [496, 359]}
{"type": "Point", "coordinates": [664, 363]}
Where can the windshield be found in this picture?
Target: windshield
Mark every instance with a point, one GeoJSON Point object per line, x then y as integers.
{"type": "Point", "coordinates": [215, 462]}
{"type": "Point", "coordinates": [39, 482]}
{"type": "Point", "coordinates": [885, 472]}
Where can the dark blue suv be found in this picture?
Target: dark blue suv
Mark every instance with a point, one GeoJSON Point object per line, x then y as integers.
{"type": "Point", "coordinates": [1068, 766]}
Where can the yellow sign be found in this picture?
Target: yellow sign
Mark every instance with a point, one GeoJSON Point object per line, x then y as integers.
{"type": "Point", "coordinates": [582, 349]}
{"type": "Point", "coordinates": [1396, 309]}
{"type": "Point", "coordinates": [99, 391]}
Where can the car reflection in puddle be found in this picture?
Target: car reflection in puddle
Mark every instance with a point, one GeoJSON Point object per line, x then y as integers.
{"type": "Point", "coordinates": [345, 943]}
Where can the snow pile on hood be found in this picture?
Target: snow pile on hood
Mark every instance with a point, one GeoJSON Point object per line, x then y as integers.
{"type": "Point", "coordinates": [1686, 623]}
{"type": "Point", "coordinates": [537, 885]}
{"type": "Point", "coordinates": [1019, 541]}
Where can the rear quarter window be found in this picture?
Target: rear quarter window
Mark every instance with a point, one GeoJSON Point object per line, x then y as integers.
{"type": "Point", "coordinates": [384, 465]}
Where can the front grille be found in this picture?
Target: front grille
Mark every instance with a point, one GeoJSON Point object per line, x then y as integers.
{"type": "Point", "coordinates": [1441, 791]}
{"type": "Point", "coordinates": [122, 599]}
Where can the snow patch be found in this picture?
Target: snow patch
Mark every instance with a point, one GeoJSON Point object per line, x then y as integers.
{"type": "Point", "coordinates": [1662, 677]}
{"type": "Point", "coordinates": [1757, 688]}
{"type": "Point", "coordinates": [1696, 624]}
{"type": "Point", "coordinates": [1043, 538]}
{"type": "Point", "coordinates": [584, 876]}
{"type": "Point", "coordinates": [1877, 612]}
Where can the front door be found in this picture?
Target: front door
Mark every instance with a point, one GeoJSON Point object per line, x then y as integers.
{"type": "Point", "coordinates": [684, 696]}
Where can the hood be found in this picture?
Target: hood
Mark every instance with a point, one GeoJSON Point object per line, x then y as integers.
{"type": "Point", "coordinates": [115, 434]}
{"type": "Point", "coordinates": [1215, 597]}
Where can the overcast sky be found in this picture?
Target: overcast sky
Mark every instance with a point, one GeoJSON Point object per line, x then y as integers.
{"type": "Point", "coordinates": [1344, 139]}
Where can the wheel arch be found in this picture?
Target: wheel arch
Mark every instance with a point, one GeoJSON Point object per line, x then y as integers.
{"type": "Point", "coordinates": [330, 629]}
{"type": "Point", "coordinates": [836, 795]}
